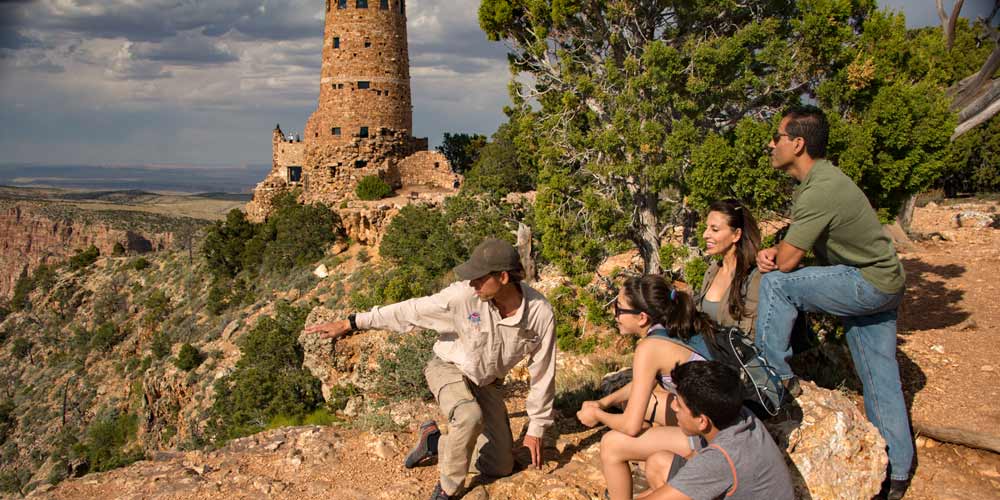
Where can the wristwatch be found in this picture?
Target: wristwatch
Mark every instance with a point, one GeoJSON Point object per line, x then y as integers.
{"type": "Point", "coordinates": [352, 319]}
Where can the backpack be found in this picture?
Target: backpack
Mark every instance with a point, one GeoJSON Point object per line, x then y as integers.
{"type": "Point", "coordinates": [762, 386]}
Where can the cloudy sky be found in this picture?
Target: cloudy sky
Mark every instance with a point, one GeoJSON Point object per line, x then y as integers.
{"type": "Point", "coordinates": [198, 82]}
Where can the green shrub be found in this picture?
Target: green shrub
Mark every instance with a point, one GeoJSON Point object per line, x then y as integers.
{"type": "Point", "coordinates": [188, 358]}
{"type": "Point", "coordinates": [105, 445]}
{"type": "Point", "coordinates": [381, 285]}
{"type": "Point", "coordinates": [4, 312]}
{"type": "Point", "coordinates": [118, 250]}
{"type": "Point", "coordinates": [20, 300]}
{"type": "Point", "coordinates": [106, 337]}
{"type": "Point", "coordinates": [44, 277]}
{"type": "Point", "coordinates": [372, 187]}
{"type": "Point", "coordinates": [7, 419]}
{"type": "Point", "coordinates": [21, 348]}
{"type": "Point", "coordinates": [322, 416]}
{"type": "Point", "coordinates": [694, 272]}
{"type": "Point", "coordinates": [14, 481]}
{"type": "Point", "coordinates": [83, 258]}
{"type": "Point", "coordinates": [420, 236]}
{"type": "Point", "coordinates": [160, 345]}
{"type": "Point", "coordinates": [501, 168]}
{"type": "Point", "coordinates": [157, 306]}
{"type": "Point", "coordinates": [268, 381]}
{"type": "Point", "coordinates": [400, 373]}
{"type": "Point", "coordinates": [340, 394]}
{"type": "Point", "coordinates": [140, 264]}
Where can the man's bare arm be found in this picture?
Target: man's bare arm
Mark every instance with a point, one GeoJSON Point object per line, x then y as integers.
{"type": "Point", "coordinates": [788, 257]}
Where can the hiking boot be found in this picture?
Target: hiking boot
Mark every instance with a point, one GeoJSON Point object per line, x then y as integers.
{"type": "Point", "coordinates": [439, 493]}
{"type": "Point", "coordinates": [427, 445]}
{"type": "Point", "coordinates": [792, 387]}
{"type": "Point", "coordinates": [897, 488]}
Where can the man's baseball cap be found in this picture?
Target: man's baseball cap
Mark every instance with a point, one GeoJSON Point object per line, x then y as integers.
{"type": "Point", "coordinates": [492, 255]}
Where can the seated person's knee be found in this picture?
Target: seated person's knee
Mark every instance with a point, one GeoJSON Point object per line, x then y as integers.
{"type": "Point", "coordinates": [658, 468]}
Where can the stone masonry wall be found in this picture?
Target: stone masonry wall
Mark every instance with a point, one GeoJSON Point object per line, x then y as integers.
{"type": "Point", "coordinates": [362, 47]}
{"type": "Point", "coordinates": [428, 168]}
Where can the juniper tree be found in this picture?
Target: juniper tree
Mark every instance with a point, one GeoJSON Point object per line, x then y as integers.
{"type": "Point", "coordinates": [646, 110]}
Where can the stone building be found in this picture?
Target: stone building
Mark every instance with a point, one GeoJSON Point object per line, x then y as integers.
{"type": "Point", "coordinates": [363, 122]}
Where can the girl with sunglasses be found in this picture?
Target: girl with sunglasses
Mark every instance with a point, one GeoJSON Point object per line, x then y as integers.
{"type": "Point", "coordinates": [671, 328]}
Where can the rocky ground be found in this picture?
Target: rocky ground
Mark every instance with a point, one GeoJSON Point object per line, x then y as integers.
{"type": "Point", "coordinates": [948, 354]}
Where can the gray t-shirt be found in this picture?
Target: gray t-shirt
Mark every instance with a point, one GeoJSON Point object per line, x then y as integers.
{"type": "Point", "coordinates": [759, 466]}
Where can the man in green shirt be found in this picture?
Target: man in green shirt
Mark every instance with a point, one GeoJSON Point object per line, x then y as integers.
{"type": "Point", "coordinates": [862, 281]}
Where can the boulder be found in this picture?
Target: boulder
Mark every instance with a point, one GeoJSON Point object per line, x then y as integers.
{"type": "Point", "coordinates": [832, 449]}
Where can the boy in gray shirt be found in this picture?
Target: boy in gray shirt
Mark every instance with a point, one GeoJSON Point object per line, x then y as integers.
{"type": "Point", "coordinates": [733, 456]}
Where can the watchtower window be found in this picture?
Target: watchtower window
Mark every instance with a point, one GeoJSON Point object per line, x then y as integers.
{"type": "Point", "coordinates": [378, 92]}
{"type": "Point", "coordinates": [363, 132]}
{"type": "Point", "coordinates": [437, 164]}
{"type": "Point", "coordinates": [368, 43]}
{"type": "Point", "coordinates": [363, 85]}
{"type": "Point", "coordinates": [383, 4]}
{"type": "Point", "coordinates": [362, 4]}
{"type": "Point", "coordinates": [402, 6]}
{"type": "Point", "coordinates": [294, 174]}
{"type": "Point", "coordinates": [386, 92]}
{"type": "Point", "coordinates": [360, 163]}
{"type": "Point", "coordinates": [336, 42]}
{"type": "Point", "coordinates": [335, 130]}
{"type": "Point", "coordinates": [341, 4]}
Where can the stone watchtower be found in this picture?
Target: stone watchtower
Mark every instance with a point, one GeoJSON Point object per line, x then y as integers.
{"type": "Point", "coordinates": [363, 123]}
{"type": "Point", "coordinates": [365, 80]}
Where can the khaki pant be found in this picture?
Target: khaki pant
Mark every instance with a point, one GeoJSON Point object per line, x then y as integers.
{"type": "Point", "coordinates": [477, 423]}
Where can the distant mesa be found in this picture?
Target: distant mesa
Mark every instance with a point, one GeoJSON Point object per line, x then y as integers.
{"type": "Point", "coordinates": [363, 122]}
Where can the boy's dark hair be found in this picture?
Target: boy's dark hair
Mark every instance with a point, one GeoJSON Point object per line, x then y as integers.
{"type": "Point", "coordinates": [710, 388]}
{"type": "Point", "coordinates": [809, 123]}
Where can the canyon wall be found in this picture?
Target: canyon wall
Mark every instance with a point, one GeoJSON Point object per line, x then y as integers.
{"type": "Point", "coordinates": [34, 233]}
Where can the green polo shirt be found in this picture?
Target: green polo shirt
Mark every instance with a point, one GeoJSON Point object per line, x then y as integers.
{"type": "Point", "coordinates": [833, 218]}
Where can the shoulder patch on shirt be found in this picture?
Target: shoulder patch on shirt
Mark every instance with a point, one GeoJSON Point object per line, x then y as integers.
{"type": "Point", "coordinates": [475, 319]}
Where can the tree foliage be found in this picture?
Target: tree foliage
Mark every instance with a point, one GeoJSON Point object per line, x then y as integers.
{"type": "Point", "coordinates": [372, 187]}
{"type": "Point", "coordinates": [188, 358]}
{"type": "Point", "coordinates": [105, 445]}
{"type": "Point", "coordinates": [502, 166]}
{"type": "Point", "coordinates": [419, 236]}
{"type": "Point", "coordinates": [268, 381]}
{"type": "Point", "coordinates": [238, 252]}
{"type": "Point", "coordinates": [83, 258]}
{"type": "Point", "coordinates": [461, 150]}
{"type": "Point", "coordinates": [648, 110]}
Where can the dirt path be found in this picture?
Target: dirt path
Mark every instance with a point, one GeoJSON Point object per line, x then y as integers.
{"type": "Point", "coordinates": [949, 333]}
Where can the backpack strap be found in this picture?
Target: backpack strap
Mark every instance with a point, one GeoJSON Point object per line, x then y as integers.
{"type": "Point", "coordinates": [732, 468]}
{"type": "Point", "coordinates": [662, 334]}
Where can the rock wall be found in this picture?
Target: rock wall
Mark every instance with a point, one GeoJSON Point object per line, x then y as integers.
{"type": "Point", "coordinates": [29, 237]}
{"type": "Point", "coordinates": [428, 168]}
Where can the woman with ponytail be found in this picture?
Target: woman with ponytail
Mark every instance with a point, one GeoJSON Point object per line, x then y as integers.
{"type": "Point", "coordinates": [729, 290]}
{"type": "Point", "coordinates": [671, 329]}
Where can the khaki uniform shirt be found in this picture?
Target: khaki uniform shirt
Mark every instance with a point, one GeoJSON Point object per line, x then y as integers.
{"type": "Point", "coordinates": [483, 345]}
{"type": "Point", "coordinates": [832, 217]}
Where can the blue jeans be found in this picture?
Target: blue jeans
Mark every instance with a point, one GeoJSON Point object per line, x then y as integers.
{"type": "Point", "coordinates": [869, 317]}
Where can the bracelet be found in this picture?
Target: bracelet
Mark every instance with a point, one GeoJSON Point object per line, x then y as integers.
{"type": "Point", "coordinates": [352, 319]}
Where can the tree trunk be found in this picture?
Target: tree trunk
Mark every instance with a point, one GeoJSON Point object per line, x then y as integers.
{"type": "Point", "coordinates": [647, 234]}
{"type": "Point", "coordinates": [906, 214]}
{"type": "Point", "coordinates": [524, 249]}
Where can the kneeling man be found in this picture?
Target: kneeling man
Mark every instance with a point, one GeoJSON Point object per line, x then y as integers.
{"type": "Point", "coordinates": [486, 324]}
